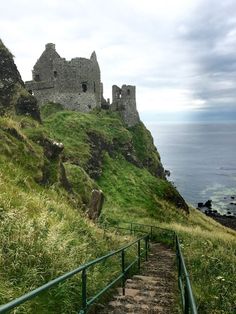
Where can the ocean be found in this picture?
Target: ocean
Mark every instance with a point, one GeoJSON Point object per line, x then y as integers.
{"type": "Point", "coordinates": [202, 160]}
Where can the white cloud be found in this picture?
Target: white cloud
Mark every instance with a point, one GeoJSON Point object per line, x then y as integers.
{"type": "Point", "coordinates": [168, 100]}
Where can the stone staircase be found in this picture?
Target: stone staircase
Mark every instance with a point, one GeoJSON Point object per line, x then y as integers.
{"type": "Point", "coordinates": [154, 290]}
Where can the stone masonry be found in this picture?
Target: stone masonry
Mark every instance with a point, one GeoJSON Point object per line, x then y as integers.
{"type": "Point", "coordinates": [123, 100]}
{"type": "Point", "coordinates": [76, 84]}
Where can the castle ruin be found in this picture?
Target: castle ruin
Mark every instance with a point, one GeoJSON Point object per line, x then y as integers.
{"type": "Point", "coordinates": [76, 84]}
{"type": "Point", "coordinates": [124, 101]}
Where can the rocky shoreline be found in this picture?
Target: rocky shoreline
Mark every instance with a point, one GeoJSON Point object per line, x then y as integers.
{"type": "Point", "coordinates": [228, 220]}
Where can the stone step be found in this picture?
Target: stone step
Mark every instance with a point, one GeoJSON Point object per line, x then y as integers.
{"type": "Point", "coordinates": [150, 292]}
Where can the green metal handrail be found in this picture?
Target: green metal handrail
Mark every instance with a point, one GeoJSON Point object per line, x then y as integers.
{"type": "Point", "coordinates": [187, 297]}
{"type": "Point", "coordinates": [86, 303]}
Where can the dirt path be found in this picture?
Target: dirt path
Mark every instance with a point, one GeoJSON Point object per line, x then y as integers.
{"type": "Point", "coordinates": [153, 291]}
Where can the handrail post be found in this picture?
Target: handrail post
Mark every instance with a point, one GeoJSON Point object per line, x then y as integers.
{"type": "Point", "coordinates": [174, 239]}
{"type": "Point", "coordinates": [177, 255]}
{"type": "Point", "coordinates": [139, 255]}
{"type": "Point", "coordinates": [131, 228]}
{"type": "Point", "coordinates": [151, 232]}
{"type": "Point", "coordinates": [146, 247]}
{"type": "Point", "coordinates": [123, 270]}
{"type": "Point", "coordinates": [186, 300]}
{"type": "Point", "coordinates": [84, 290]}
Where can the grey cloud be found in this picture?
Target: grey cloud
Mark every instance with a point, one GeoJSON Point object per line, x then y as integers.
{"type": "Point", "coordinates": [215, 77]}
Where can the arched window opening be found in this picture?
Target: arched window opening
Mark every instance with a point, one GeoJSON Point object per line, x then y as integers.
{"type": "Point", "coordinates": [55, 74]}
{"type": "Point", "coordinates": [128, 92]}
{"type": "Point", "coordinates": [94, 87]}
{"type": "Point", "coordinates": [84, 87]}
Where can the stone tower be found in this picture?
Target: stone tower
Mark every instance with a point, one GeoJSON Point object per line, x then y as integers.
{"type": "Point", "coordinates": [76, 84]}
{"type": "Point", "coordinates": [124, 101]}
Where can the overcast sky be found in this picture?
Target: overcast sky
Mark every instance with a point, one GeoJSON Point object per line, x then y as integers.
{"type": "Point", "coordinates": [180, 54]}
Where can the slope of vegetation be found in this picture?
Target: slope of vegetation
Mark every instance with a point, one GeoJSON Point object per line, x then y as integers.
{"type": "Point", "coordinates": [44, 228]}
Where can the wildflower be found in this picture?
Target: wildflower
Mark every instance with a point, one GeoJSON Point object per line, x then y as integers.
{"type": "Point", "coordinates": [220, 278]}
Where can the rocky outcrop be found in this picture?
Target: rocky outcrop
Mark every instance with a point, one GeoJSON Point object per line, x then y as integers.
{"type": "Point", "coordinates": [228, 219]}
{"type": "Point", "coordinates": [173, 196]}
{"type": "Point", "coordinates": [63, 178]}
{"type": "Point", "coordinates": [97, 146]}
{"type": "Point", "coordinates": [95, 205]}
{"type": "Point", "coordinates": [13, 132]}
{"type": "Point", "coordinates": [13, 96]}
{"type": "Point", "coordinates": [52, 149]}
{"type": "Point", "coordinates": [146, 151]}
{"type": "Point", "coordinates": [154, 167]}
{"type": "Point", "coordinates": [27, 105]}
{"type": "Point", "coordinates": [53, 169]}
{"type": "Point", "coordinates": [9, 78]}
{"type": "Point", "coordinates": [127, 150]}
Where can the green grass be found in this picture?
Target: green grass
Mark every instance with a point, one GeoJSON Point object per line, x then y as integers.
{"type": "Point", "coordinates": [209, 248]}
{"type": "Point", "coordinates": [144, 147]}
{"type": "Point", "coordinates": [45, 232]}
{"type": "Point", "coordinates": [129, 189]}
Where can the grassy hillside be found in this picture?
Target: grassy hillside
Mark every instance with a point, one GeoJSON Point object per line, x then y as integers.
{"type": "Point", "coordinates": [43, 226]}
{"type": "Point", "coordinates": [44, 232]}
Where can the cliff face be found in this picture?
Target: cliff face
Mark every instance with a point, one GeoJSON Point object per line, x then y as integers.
{"type": "Point", "coordinates": [13, 96]}
{"type": "Point", "coordinates": [96, 142]}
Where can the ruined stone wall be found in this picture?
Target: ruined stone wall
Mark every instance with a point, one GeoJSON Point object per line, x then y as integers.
{"type": "Point", "coordinates": [124, 101]}
{"type": "Point", "coordinates": [71, 101]}
{"type": "Point", "coordinates": [75, 84]}
{"type": "Point", "coordinates": [80, 76]}
{"type": "Point", "coordinates": [43, 69]}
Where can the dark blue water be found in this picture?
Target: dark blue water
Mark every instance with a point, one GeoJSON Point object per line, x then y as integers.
{"type": "Point", "coordinates": [201, 159]}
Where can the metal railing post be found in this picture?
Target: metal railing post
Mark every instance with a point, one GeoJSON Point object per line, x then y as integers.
{"type": "Point", "coordinates": [178, 257]}
{"type": "Point", "coordinates": [151, 232]}
{"type": "Point", "coordinates": [131, 228]}
{"type": "Point", "coordinates": [174, 239]}
{"type": "Point", "coordinates": [146, 248]}
{"type": "Point", "coordinates": [139, 255]}
{"type": "Point", "coordinates": [123, 270]}
{"type": "Point", "coordinates": [84, 290]}
{"type": "Point", "coordinates": [186, 301]}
